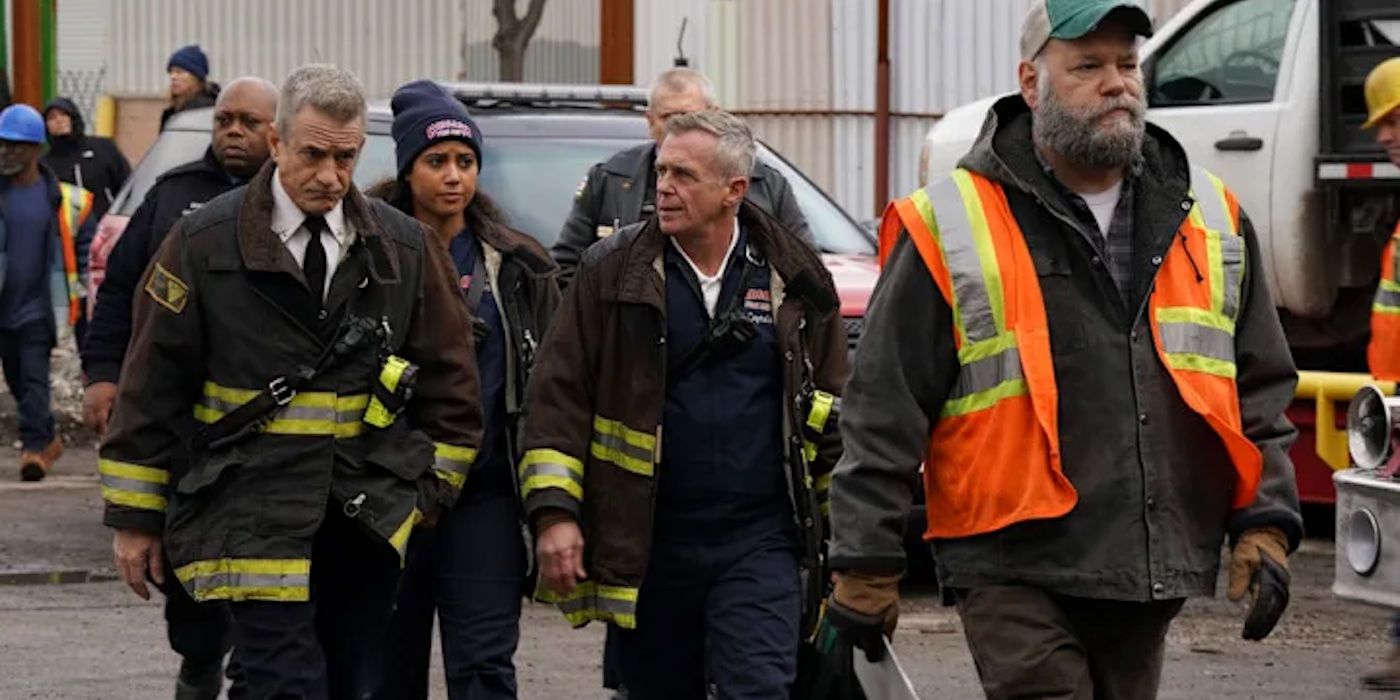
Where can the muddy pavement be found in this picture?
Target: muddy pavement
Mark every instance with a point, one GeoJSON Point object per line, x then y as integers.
{"type": "Point", "coordinates": [95, 639]}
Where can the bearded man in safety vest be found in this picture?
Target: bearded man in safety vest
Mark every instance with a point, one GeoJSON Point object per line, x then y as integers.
{"type": "Point", "coordinates": [1073, 336]}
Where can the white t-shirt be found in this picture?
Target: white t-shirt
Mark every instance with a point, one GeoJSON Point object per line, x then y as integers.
{"type": "Point", "coordinates": [710, 285]}
{"type": "Point", "coordinates": [1102, 205]}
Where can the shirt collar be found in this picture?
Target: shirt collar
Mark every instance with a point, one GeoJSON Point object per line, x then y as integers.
{"type": "Point", "coordinates": [724, 266]}
{"type": "Point", "coordinates": [287, 217]}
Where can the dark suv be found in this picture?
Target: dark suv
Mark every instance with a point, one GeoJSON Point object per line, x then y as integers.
{"type": "Point", "coordinates": [540, 140]}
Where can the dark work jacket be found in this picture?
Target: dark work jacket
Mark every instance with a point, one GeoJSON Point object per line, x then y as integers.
{"type": "Point", "coordinates": [598, 396]}
{"type": "Point", "coordinates": [525, 290]}
{"type": "Point", "coordinates": [615, 194]}
{"type": "Point", "coordinates": [176, 193]}
{"type": "Point", "coordinates": [90, 162]}
{"type": "Point", "coordinates": [226, 305]}
{"type": "Point", "coordinates": [1155, 483]}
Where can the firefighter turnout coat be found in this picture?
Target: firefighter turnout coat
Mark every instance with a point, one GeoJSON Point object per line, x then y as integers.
{"type": "Point", "coordinates": [593, 430]}
{"type": "Point", "coordinates": [223, 310]}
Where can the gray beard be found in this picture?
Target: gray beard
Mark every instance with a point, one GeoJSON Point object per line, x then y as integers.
{"type": "Point", "coordinates": [1075, 136]}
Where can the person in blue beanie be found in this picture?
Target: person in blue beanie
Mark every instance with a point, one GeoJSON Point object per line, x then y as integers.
{"type": "Point", "coordinates": [46, 227]}
{"type": "Point", "coordinates": [471, 568]}
{"type": "Point", "coordinates": [190, 87]}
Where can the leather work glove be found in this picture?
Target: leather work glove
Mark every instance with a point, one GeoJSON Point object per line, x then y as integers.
{"type": "Point", "coordinates": [1259, 566]}
{"type": "Point", "coordinates": [863, 608]}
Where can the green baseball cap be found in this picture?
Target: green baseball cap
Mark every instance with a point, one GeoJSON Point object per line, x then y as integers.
{"type": "Point", "coordinates": [1071, 19]}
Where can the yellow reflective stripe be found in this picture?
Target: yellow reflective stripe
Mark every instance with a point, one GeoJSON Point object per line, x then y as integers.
{"type": "Point", "coordinates": [636, 438]}
{"type": "Point", "coordinates": [1215, 268]}
{"type": "Point", "coordinates": [281, 580]}
{"type": "Point", "coordinates": [924, 205]}
{"type": "Point", "coordinates": [614, 442]}
{"type": "Point", "coordinates": [311, 413]}
{"type": "Point", "coordinates": [392, 372]}
{"type": "Point", "coordinates": [823, 489]}
{"type": "Point", "coordinates": [136, 472]}
{"type": "Point", "coordinates": [1387, 297]}
{"type": "Point", "coordinates": [983, 349]}
{"type": "Point", "coordinates": [546, 469]}
{"type": "Point", "coordinates": [986, 250]}
{"type": "Point", "coordinates": [399, 540]}
{"type": "Point", "coordinates": [983, 400]}
{"type": "Point", "coordinates": [1199, 363]}
{"type": "Point", "coordinates": [809, 451]}
{"type": "Point", "coordinates": [1189, 314]}
{"type": "Point", "coordinates": [452, 463]}
{"type": "Point", "coordinates": [133, 485]}
{"type": "Point", "coordinates": [133, 499]}
{"type": "Point", "coordinates": [591, 601]}
{"type": "Point", "coordinates": [821, 411]}
{"type": "Point", "coordinates": [454, 479]}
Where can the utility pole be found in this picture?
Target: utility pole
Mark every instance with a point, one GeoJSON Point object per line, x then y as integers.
{"type": "Point", "coordinates": [615, 42]}
{"type": "Point", "coordinates": [882, 109]}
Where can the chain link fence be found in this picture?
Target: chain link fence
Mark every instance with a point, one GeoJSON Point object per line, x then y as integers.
{"type": "Point", "coordinates": [83, 87]}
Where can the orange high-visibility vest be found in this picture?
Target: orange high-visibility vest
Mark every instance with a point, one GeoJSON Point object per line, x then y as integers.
{"type": "Point", "coordinates": [994, 455]}
{"type": "Point", "coordinates": [74, 207]}
{"type": "Point", "coordinates": [1383, 354]}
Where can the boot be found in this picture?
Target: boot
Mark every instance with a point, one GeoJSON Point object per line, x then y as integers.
{"type": "Point", "coordinates": [199, 681]}
{"type": "Point", "coordinates": [34, 466]}
{"type": "Point", "coordinates": [1387, 677]}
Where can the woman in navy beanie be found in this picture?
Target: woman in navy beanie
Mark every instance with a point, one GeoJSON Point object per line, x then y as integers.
{"type": "Point", "coordinates": [471, 568]}
{"type": "Point", "coordinates": [190, 88]}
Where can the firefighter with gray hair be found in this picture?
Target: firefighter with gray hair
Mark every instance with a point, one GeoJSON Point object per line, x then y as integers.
{"type": "Point", "coordinates": [315, 336]}
{"type": "Point", "coordinates": [681, 428]}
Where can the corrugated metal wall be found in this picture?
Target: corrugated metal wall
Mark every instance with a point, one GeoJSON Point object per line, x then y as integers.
{"type": "Point", "coordinates": [385, 43]}
{"type": "Point", "coordinates": [81, 28]}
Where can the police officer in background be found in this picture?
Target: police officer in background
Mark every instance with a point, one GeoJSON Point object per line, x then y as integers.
{"type": "Point", "coordinates": [690, 539]}
{"type": "Point", "coordinates": [316, 337]}
{"type": "Point", "coordinates": [622, 191]}
{"type": "Point", "coordinates": [243, 114]}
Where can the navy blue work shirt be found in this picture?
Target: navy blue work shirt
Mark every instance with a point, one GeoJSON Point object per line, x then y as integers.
{"type": "Point", "coordinates": [491, 473]}
{"type": "Point", "coordinates": [29, 216]}
{"type": "Point", "coordinates": [722, 451]}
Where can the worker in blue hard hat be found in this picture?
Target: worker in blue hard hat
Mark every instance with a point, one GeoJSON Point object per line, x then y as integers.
{"type": "Point", "coordinates": [45, 229]}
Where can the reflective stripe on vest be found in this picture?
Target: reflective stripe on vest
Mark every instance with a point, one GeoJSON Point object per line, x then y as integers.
{"type": "Point", "coordinates": [74, 207]}
{"type": "Point", "coordinates": [1383, 352]}
{"type": "Point", "coordinates": [972, 246]}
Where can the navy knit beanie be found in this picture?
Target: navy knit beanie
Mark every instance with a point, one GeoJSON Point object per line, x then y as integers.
{"type": "Point", "coordinates": [424, 114]}
{"type": "Point", "coordinates": [192, 59]}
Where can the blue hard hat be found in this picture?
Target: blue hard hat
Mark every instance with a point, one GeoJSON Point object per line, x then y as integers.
{"type": "Point", "coordinates": [23, 123]}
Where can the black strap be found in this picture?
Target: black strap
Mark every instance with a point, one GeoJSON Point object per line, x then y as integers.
{"type": "Point", "coordinates": [479, 281]}
{"type": "Point", "coordinates": [701, 352]}
{"type": "Point", "coordinates": [248, 418]}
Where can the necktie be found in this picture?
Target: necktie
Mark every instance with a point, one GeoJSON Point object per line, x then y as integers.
{"type": "Point", "coordinates": [314, 264]}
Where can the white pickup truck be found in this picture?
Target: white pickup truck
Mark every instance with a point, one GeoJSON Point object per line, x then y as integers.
{"type": "Point", "coordinates": [1268, 95]}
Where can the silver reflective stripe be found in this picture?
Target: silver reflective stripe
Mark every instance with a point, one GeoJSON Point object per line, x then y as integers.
{"type": "Point", "coordinates": [451, 465]}
{"type": "Point", "coordinates": [218, 404]}
{"type": "Point", "coordinates": [964, 264]}
{"type": "Point", "coordinates": [306, 413]}
{"type": "Point", "coordinates": [1211, 203]}
{"type": "Point", "coordinates": [239, 580]}
{"type": "Point", "coordinates": [1385, 297]}
{"type": "Point", "coordinates": [618, 444]}
{"type": "Point", "coordinates": [133, 485]}
{"type": "Point", "coordinates": [599, 603]}
{"type": "Point", "coordinates": [1232, 255]}
{"type": "Point", "coordinates": [548, 469]}
{"type": "Point", "coordinates": [1194, 339]}
{"type": "Point", "coordinates": [988, 373]}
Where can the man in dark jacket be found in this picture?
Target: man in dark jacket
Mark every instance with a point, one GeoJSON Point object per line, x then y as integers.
{"type": "Point", "coordinates": [622, 190]}
{"type": "Point", "coordinates": [199, 633]}
{"type": "Point", "coordinates": [713, 321]}
{"type": "Point", "coordinates": [190, 87]}
{"type": "Point", "coordinates": [316, 338]}
{"type": "Point", "coordinates": [1124, 300]}
{"type": "Point", "coordinates": [90, 162]}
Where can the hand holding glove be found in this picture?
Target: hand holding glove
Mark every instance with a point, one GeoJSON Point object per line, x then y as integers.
{"type": "Point", "coordinates": [1259, 567]}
